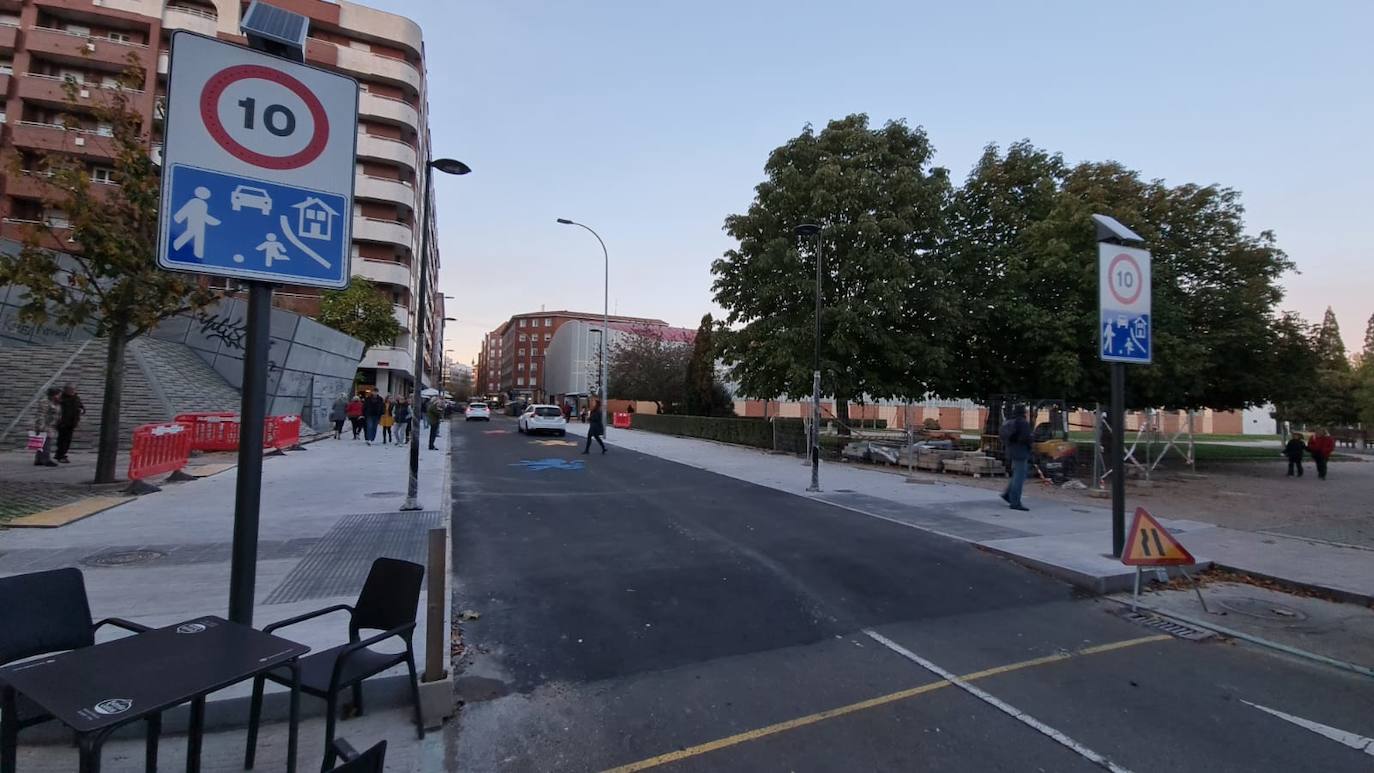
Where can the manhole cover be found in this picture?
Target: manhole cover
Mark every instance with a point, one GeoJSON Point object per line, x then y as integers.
{"type": "Point", "coordinates": [382, 494]}
{"type": "Point", "coordinates": [1264, 610]}
{"type": "Point", "coordinates": [122, 558]}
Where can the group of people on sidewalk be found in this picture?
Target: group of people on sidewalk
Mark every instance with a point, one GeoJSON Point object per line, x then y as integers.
{"type": "Point", "coordinates": [366, 412]}
{"type": "Point", "coordinates": [1321, 447]}
{"type": "Point", "coordinates": [55, 419]}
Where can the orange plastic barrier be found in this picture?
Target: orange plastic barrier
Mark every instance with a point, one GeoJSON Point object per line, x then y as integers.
{"type": "Point", "coordinates": [281, 432]}
{"type": "Point", "coordinates": [212, 431]}
{"type": "Point", "coordinates": [158, 449]}
{"type": "Point", "coordinates": [621, 421]}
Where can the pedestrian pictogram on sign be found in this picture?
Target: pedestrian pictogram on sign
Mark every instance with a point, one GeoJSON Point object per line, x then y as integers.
{"type": "Point", "coordinates": [1124, 304]}
{"type": "Point", "coordinates": [258, 166]}
{"type": "Point", "coordinates": [1150, 544]}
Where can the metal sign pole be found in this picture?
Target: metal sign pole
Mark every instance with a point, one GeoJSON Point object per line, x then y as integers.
{"type": "Point", "coordinates": [1117, 456]}
{"type": "Point", "coordinates": [243, 568]}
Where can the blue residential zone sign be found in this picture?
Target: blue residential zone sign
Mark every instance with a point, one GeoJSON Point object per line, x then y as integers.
{"type": "Point", "coordinates": [254, 229]}
{"type": "Point", "coordinates": [1125, 337]}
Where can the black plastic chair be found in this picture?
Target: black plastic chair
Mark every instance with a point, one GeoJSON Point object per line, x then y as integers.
{"type": "Point", "coordinates": [388, 603]}
{"type": "Point", "coordinates": [43, 613]}
{"type": "Point", "coordinates": [371, 761]}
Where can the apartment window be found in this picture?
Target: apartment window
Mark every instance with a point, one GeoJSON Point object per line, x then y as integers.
{"type": "Point", "coordinates": [522, 323]}
{"type": "Point", "coordinates": [6, 65]}
{"type": "Point", "coordinates": [104, 129]}
{"type": "Point", "coordinates": [522, 352]}
{"type": "Point", "coordinates": [120, 37]}
{"type": "Point", "coordinates": [520, 381]}
{"type": "Point", "coordinates": [519, 366]}
{"type": "Point", "coordinates": [534, 366]}
{"type": "Point", "coordinates": [522, 338]}
{"type": "Point", "coordinates": [78, 29]}
{"type": "Point", "coordinates": [548, 337]}
{"type": "Point", "coordinates": [548, 322]}
{"type": "Point", "coordinates": [102, 174]}
{"type": "Point", "coordinates": [533, 381]}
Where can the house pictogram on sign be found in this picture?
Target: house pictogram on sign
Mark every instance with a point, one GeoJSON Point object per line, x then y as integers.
{"type": "Point", "coordinates": [315, 219]}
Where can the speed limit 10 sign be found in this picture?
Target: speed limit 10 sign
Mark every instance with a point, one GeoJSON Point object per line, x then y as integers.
{"type": "Point", "coordinates": [257, 166]}
{"type": "Point", "coordinates": [1124, 304]}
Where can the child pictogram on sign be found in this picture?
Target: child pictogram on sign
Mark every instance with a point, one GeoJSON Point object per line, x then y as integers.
{"type": "Point", "coordinates": [272, 250]}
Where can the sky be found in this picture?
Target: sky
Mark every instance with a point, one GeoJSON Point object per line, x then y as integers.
{"type": "Point", "coordinates": [650, 121]}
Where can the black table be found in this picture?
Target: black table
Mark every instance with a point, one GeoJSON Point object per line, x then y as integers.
{"type": "Point", "coordinates": [97, 689]}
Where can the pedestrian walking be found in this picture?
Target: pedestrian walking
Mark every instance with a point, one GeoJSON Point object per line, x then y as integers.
{"type": "Point", "coordinates": [1016, 444]}
{"type": "Point", "coordinates": [402, 415]}
{"type": "Point", "coordinates": [45, 425]}
{"type": "Point", "coordinates": [596, 429]}
{"type": "Point", "coordinates": [69, 415]}
{"type": "Point", "coordinates": [355, 414]}
{"type": "Point", "coordinates": [1294, 451]}
{"type": "Point", "coordinates": [567, 412]}
{"type": "Point", "coordinates": [338, 413]}
{"type": "Point", "coordinates": [434, 411]}
{"type": "Point", "coordinates": [388, 419]}
{"type": "Point", "coordinates": [1321, 447]}
{"type": "Point", "coordinates": [373, 408]}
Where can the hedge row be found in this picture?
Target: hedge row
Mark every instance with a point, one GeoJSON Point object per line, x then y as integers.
{"type": "Point", "coordinates": [744, 432]}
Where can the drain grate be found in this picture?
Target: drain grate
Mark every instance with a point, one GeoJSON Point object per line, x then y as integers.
{"type": "Point", "coordinates": [338, 563]}
{"type": "Point", "coordinates": [122, 558]}
{"type": "Point", "coordinates": [1170, 627]}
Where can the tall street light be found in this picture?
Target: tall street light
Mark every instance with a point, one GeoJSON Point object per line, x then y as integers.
{"type": "Point", "coordinates": [814, 231]}
{"type": "Point", "coordinates": [605, 314]}
{"type": "Point", "coordinates": [447, 166]}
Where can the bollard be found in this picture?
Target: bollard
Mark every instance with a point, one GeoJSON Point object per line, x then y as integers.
{"type": "Point", "coordinates": [436, 638]}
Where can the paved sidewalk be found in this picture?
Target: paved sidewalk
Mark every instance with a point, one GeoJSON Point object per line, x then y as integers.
{"type": "Point", "coordinates": [1071, 540]}
{"type": "Point", "coordinates": [326, 513]}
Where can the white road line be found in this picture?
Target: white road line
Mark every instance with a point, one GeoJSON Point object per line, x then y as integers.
{"type": "Point", "coordinates": [1000, 705]}
{"type": "Point", "coordinates": [1354, 741]}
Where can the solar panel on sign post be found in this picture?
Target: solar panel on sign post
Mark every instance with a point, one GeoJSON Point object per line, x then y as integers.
{"type": "Point", "coordinates": [274, 24]}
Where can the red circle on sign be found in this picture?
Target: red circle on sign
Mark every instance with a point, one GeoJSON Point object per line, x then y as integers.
{"type": "Point", "coordinates": [1111, 272]}
{"type": "Point", "coordinates": [209, 114]}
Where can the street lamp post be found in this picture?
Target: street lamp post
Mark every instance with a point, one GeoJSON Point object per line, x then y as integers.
{"type": "Point", "coordinates": [447, 166]}
{"type": "Point", "coordinates": [605, 313]}
{"type": "Point", "coordinates": [814, 231]}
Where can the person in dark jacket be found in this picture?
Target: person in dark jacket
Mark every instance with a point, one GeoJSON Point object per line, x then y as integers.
{"type": "Point", "coordinates": [373, 408]}
{"type": "Point", "coordinates": [69, 414]}
{"type": "Point", "coordinates": [1321, 447]}
{"type": "Point", "coordinates": [1016, 444]}
{"type": "Point", "coordinates": [338, 413]}
{"type": "Point", "coordinates": [402, 413]}
{"type": "Point", "coordinates": [434, 414]}
{"type": "Point", "coordinates": [1294, 451]}
{"type": "Point", "coordinates": [596, 428]}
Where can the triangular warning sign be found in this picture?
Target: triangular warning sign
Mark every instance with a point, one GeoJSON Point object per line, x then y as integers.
{"type": "Point", "coordinates": [1149, 544]}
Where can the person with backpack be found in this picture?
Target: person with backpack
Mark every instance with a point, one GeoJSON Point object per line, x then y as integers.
{"type": "Point", "coordinates": [1015, 434]}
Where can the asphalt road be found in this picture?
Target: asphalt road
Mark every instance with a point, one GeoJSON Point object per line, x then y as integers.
{"type": "Point", "coordinates": [639, 614]}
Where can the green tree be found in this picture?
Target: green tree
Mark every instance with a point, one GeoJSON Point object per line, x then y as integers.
{"type": "Point", "coordinates": [1330, 346]}
{"type": "Point", "coordinates": [361, 311]}
{"type": "Point", "coordinates": [93, 265]}
{"type": "Point", "coordinates": [645, 365]}
{"type": "Point", "coordinates": [1023, 250]}
{"type": "Point", "coordinates": [1367, 354]}
{"type": "Point", "coordinates": [886, 307]}
{"type": "Point", "coordinates": [706, 396]}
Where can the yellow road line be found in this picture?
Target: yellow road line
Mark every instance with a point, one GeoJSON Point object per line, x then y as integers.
{"type": "Point", "coordinates": [882, 700]}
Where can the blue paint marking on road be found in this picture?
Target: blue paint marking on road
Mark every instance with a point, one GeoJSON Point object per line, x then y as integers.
{"type": "Point", "coordinates": [539, 465]}
{"type": "Point", "coordinates": [257, 228]}
{"type": "Point", "coordinates": [1125, 336]}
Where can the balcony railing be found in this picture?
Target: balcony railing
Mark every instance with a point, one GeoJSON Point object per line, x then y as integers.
{"type": "Point", "coordinates": [100, 38]}
{"type": "Point", "coordinates": [83, 84]}
{"type": "Point", "coordinates": [194, 11]}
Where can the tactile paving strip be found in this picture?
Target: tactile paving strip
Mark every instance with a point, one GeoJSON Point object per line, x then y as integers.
{"type": "Point", "coordinates": [339, 562]}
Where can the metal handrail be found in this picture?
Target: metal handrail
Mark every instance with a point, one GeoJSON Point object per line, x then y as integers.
{"type": "Point", "coordinates": [92, 84]}
{"type": "Point", "coordinates": [62, 128]}
{"type": "Point", "coordinates": [193, 11]}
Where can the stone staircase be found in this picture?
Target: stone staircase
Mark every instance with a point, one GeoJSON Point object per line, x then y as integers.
{"type": "Point", "coordinates": [161, 379]}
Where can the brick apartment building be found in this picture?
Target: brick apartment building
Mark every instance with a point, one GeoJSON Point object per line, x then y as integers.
{"type": "Point", "coordinates": [512, 359]}
{"type": "Point", "coordinates": [46, 42]}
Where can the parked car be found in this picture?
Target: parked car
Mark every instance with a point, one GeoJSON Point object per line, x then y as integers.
{"type": "Point", "coordinates": [543, 418]}
{"type": "Point", "coordinates": [477, 412]}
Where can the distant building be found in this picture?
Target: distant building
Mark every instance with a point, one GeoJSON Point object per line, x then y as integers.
{"type": "Point", "coordinates": [512, 359]}
{"type": "Point", "coordinates": [571, 365]}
